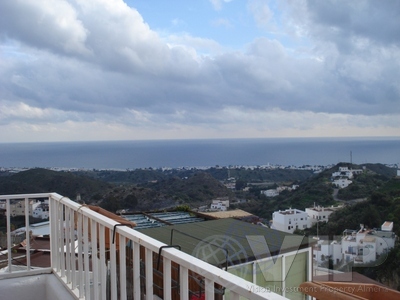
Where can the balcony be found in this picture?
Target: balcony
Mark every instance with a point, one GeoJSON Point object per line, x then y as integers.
{"type": "Point", "coordinates": [95, 257]}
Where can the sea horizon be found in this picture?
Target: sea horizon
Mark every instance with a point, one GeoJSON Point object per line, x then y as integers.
{"type": "Point", "coordinates": [175, 153]}
{"type": "Point", "coordinates": [211, 139]}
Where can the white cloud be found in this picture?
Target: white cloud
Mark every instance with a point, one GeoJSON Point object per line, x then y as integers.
{"type": "Point", "coordinates": [263, 15]}
{"type": "Point", "coordinates": [222, 22]}
{"type": "Point", "coordinates": [217, 4]}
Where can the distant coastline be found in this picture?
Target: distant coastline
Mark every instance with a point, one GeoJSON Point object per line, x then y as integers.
{"type": "Point", "coordinates": [122, 155]}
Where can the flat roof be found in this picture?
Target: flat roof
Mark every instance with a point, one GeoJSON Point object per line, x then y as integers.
{"type": "Point", "coordinates": [387, 223]}
{"type": "Point", "coordinates": [236, 213]}
{"type": "Point", "coordinates": [291, 211]}
{"type": "Point", "coordinates": [160, 219]}
{"type": "Point", "coordinates": [229, 241]}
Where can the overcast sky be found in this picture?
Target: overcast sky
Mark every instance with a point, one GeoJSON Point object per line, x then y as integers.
{"type": "Point", "coordinates": [73, 70]}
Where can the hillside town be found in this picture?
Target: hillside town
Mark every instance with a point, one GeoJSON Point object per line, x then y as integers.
{"type": "Point", "coordinates": [223, 224]}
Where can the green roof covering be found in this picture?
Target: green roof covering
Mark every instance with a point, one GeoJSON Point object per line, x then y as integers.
{"type": "Point", "coordinates": [228, 240]}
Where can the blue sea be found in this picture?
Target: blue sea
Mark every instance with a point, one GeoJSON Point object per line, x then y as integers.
{"type": "Point", "coordinates": [200, 153]}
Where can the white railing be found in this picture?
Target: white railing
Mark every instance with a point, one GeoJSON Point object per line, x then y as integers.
{"type": "Point", "coordinates": [97, 259]}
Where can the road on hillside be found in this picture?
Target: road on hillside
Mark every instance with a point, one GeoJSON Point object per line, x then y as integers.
{"type": "Point", "coordinates": [352, 201]}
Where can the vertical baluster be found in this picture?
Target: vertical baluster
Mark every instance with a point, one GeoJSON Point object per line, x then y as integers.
{"type": "Point", "coordinates": [149, 273]}
{"type": "Point", "coordinates": [86, 256]}
{"type": "Point", "coordinates": [209, 288]}
{"type": "Point", "coordinates": [103, 265]}
{"type": "Point", "coordinates": [27, 236]}
{"type": "Point", "coordinates": [68, 245]}
{"type": "Point", "coordinates": [95, 266]}
{"type": "Point", "coordinates": [167, 282]}
{"type": "Point", "coordinates": [62, 238]}
{"type": "Point", "coordinates": [113, 262]}
{"type": "Point", "coordinates": [136, 270]}
{"type": "Point", "coordinates": [53, 233]}
{"type": "Point", "coordinates": [80, 274]}
{"type": "Point", "coordinates": [72, 239]}
{"type": "Point", "coordinates": [184, 282]}
{"type": "Point", "coordinates": [57, 236]}
{"type": "Point", "coordinates": [122, 267]}
{"type": "Point", "coordinates": [9, 252]}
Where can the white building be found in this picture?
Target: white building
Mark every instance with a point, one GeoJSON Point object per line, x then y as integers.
{"type": "Point", "coordinates": [42, 211]}
{"type": "Point", "coordinates": [290, 219]}
{"type": "Point", "coordinates": [343, 172]}
{"type": "Point", "coordinates": [366, 245]}
{"type": "Point", "coordinates": [18, 208]}
{"type": "Point", "coordinates": [342, 183]}
{"type": "Point", "coordinates": [321, 214]}
{"type": "Point", "coordinates": [220, 204]}
{"type": "Point", "coordinates": [346, 172]}
{"type": "Point", "coordinates": [270, 192]}
{"type": "Point", "coordinates": [361, 247]}
{"type": "Point", "coordinates": [326, 250]}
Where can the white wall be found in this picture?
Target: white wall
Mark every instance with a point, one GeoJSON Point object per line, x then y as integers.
{"type": "Point", "coordinates": [291, 221]}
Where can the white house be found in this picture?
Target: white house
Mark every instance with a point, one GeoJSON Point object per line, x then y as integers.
{"type": "Point", "coordinates": [218, 206]}
{"type": "Point", "coordinates": [342, 182]}
{"type": "Point", "coordinates": [42, 211]}
{"type": "Point", "coordinates": [320, 214]}
{"type": "Point", "coordinates": [346, 172]}
{"type": "Point", "coordinates": [221, 204]}
{"type": "Point", "coordinates": [343, 172]}
{"type": "Point", "coordinates": [270, 192]}
{"type": "Point", "coordinates": [325, 250]}
{"type": "Point", "coordinates": [290, 219]}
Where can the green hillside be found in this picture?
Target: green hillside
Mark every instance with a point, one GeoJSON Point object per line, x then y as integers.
{"type": "Point", "coordinates": [43, 181]}
{"type": "Point", "coordinates": [319, 190]}
{"type": "Point", "coordinates": [256, 175]}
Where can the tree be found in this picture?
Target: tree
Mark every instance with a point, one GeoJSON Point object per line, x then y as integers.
{"type": "Point", "coordinates": [240, 184]}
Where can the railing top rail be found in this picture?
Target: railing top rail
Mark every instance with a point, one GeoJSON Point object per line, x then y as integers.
{"type": "Point", "coordinates": [34, 196]}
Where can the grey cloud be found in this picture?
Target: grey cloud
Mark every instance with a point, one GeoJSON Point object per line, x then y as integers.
{"type": "Point", "coordinates": [54, 26]}
{"type": "Point", "coordinates": [378, 21]}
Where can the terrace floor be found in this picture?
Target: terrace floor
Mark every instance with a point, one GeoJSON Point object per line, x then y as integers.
{"type": "Point", "coordinates": [34, 287]}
